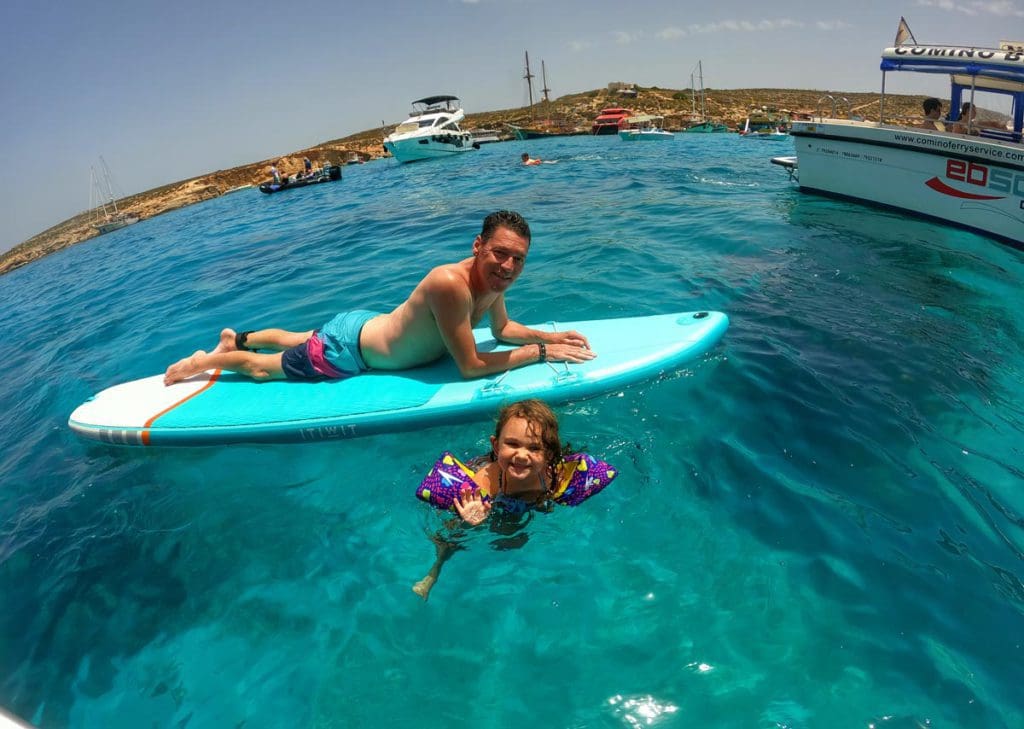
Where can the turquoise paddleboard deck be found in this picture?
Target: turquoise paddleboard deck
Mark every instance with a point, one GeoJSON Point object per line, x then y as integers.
{"type": "Point", "coordinates": [222, 407]}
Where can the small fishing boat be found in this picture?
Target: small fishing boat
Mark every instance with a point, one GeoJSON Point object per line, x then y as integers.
{"type": "Point", "coordinates": [327, 173]}
{"type": "Point", "coordinates": [644, 128]}
{"type": "Point", "coordinates": [763, 133]}
{"type": "Point", "coordinates": [485, 136]}
{"type": "Point", "coordinates": [432, 130]}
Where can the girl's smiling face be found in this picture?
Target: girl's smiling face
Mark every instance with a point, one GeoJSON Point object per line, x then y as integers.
{"type": "Point", "coordinates": [519, 451]}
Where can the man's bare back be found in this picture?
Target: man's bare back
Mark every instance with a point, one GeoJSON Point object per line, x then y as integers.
{"type": "Point", "coordinates": [409, 336]}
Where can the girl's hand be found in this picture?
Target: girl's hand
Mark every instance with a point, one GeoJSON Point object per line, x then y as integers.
{"type": "Point", "coordinates": [471, 506]}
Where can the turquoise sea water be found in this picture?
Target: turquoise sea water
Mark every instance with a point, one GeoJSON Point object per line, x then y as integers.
{"type": "Point", "coordinates": [819, 524]}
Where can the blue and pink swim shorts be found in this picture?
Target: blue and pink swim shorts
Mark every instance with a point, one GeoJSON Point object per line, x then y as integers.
{"type": "Point", "coordinates": [332, 353]}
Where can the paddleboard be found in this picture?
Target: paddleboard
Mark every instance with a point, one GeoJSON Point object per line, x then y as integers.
{"type": "Point", "coordinates": [222, 407]}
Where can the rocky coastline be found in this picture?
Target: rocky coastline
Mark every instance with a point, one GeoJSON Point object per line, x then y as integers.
{"type": "Point", "coordinates": [575, 110]}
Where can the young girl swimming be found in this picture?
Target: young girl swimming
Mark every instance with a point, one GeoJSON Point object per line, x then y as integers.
{"type": "Point", "coordinates": [525, 451]}
{"type": "Point", "coordinates": [527, 469]}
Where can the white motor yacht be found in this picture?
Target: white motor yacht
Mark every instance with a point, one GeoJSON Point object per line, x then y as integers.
{"type": "Point", "coordinates": [432, 130]}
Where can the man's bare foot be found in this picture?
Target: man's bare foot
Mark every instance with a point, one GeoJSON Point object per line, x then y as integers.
{"type": "Point", "coordinates": [422, 588]}
{"type": "Point", "coordinates": [185, 368]}
{"type": "Point", "coordinates": [226, 343]}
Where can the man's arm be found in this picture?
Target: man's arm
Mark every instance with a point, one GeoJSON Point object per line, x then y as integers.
{"type": "Point", "coordinates": [506, 330]}
{"type": "Point", "coordinates": [452, 307]}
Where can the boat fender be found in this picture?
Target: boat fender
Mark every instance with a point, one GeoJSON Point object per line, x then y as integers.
{"type": "Point", "coordinates": [580, 476]}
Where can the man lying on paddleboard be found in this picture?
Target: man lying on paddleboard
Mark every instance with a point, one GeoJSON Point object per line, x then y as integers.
{"type": "Point", "coordinates": [438, 317]}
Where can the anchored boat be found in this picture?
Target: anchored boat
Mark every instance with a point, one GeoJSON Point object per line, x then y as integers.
{"type": "Point", "coordinates": [644, 128]}
{"type": "Point", "coordinates": [432, 130]}
{"type": "Point", "coordinates": [973, 180]}
{"type": "Point", "coordinates": [106, 216]}
{"type": "Point", "coordinates": [327, 173]}
{"type": "Point", "coordinates": [545, 127]}
{"type": "Point", "coordinates": [610, 120]}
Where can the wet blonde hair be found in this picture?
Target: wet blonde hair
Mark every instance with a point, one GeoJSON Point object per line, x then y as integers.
{"type": "Point", "coordinates": [538, 414]}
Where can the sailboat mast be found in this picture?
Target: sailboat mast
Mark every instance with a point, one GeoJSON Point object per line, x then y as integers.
{"type": "Point", "coordinates": [544, 76]}
{"type": "Point", "coordinates": [95, 199]}
{"type": "Point", "coordinates": [693, 98]}
{"type": "Point", "coordinates": [700, 72]}
{"type": "Point", "coordinates": [529, 79]}
{"type": "Point", "coordinates": [109, 187]}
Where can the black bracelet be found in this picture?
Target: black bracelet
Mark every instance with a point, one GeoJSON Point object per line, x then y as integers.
{"type": "Point", "coordinates": [543, 351]}
{"type": "Point", "coordinates": [240, 341]}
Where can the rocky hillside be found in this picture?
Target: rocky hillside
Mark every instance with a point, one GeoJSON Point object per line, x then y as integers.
{"type": "Point", "coordinates": [574, 110]}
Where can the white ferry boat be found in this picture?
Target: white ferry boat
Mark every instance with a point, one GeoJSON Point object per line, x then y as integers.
{"type": "Point", "coordinates": [959, 172]}
{"type": "Point", "coordinates": [432, 130]}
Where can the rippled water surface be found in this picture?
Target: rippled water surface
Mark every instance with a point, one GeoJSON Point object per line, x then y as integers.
{"type": "Point", "coordinates": [819, 524]}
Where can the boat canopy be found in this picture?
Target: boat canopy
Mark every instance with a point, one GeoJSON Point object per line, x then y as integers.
{"type": "Point", "coordinates": [643, 119]}
{"type": "Point", "coordinates": [981, 62]}
{"type": "Point", "coordinates": [999, 71]}
{"type": "Point", "coordinates": [434, 100]}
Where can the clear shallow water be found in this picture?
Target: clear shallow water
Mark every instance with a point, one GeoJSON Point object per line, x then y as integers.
{"type": "Point", "coordinates": [819, 524]}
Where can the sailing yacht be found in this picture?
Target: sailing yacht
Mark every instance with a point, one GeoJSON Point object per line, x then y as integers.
{"type": "Point", "coordinates": [547, 127]}
{"type": "Point", "coordinates": [705, 126]}
{"type": "Point", "coordinates": [106, 216]}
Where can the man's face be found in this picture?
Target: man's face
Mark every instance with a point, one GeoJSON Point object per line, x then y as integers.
{"type": "Point", "coordinates": [501, 258]}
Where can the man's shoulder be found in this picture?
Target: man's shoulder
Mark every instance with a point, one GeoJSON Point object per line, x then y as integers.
{"type": "Point", "coordinates": [449, 278]}
{"type": "Point", "coordinates": [458, 272]}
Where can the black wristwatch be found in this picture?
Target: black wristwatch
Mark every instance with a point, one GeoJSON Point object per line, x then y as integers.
{"type": "Point", "coordinates": [543, 351]}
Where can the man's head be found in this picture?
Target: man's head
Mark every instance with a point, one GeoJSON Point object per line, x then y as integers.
{"type": "Point", "coordinates": [505, 219]}
{"type": "Point", "coordinates": [525, 156]}
{"type": "Point", "coordinates": [500, 249]}
{"type": "Point", "coordinates": [932, 108]}
{"type": "Point", "coordinates": [968, 111]}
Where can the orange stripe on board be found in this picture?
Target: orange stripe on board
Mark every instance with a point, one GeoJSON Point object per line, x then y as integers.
{"type": "Point", "coordinates": [201, 390]}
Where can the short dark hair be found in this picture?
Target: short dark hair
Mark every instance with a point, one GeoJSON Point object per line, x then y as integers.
{"type": "Point", "coordinates": [931, 104]}
{"type": "Point", "coordinates": [505, 219]}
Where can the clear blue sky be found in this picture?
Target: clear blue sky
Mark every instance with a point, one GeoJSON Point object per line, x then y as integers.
{"type": "Point", "coordinates": [171, 90]}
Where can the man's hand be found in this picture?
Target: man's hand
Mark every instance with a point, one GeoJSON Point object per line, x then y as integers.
{"type": "Point", "coordinates": [569, 353]}
{"type": "Point", "coordinates": [471, 506]}
{"type": "Point", "coordinates": [574, 338]}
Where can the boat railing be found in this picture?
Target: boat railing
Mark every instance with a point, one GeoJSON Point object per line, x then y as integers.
{"type": "Point", "coordinates": [835, 107]}
{"type": "Point", "coordinates": [1003, 135]}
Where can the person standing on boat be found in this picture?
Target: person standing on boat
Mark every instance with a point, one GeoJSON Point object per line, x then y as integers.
{"type": "Point", "coordinates": [436, 319]}
{"type": "Point", "coordinates": [275, 175]}
{"type": "Point", "coordinates": [308, 165]}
